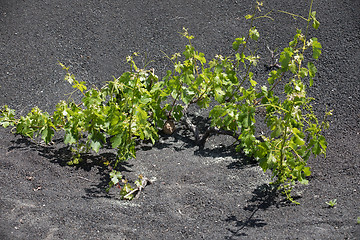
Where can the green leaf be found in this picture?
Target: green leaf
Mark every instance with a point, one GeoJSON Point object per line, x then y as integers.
{"type": "Point", "coordinates": [316, 48]}
{"type": "Point", "coordinates": [204, 102]}
{"type": "Point", "coordinates": [285, 58]}
{"type": "Point", "coordinates": [315, 43]}
{"type": "Point", "coordinates": [5, 124]}
{"type": "Point", "coordinates": [272, 76]}
{"type": "Point", "coordinates": [312, 72]}
{"type": "Point", "coordinates": [315, 23]}
{"type": "Point", "coordinates": [322, 142]}
{"type": "Point", "coordinates": [177, 112]}
{"type": "Point", "coordinates": [303, 72]}
{"type": "Point", "coordinates": [307, 171]}
{"type": "Point", "coordinates": [276, 127]}
{"type": "Point", "coordinates": [47, 134]}
{"type": "Point", "coordinates": [117, 140]}
{"type": "Point", "coordinates": [263, 164]}
{"type": "Point", "coordinates": [304, 181]}
{"type": "Point", "coordinates": [237, 43]}
{"type": "Point", "coordinates": [271, 160]}
{"type": "Point", "coordinates": [187, 95]}
{"type": "Point", "coordinates": [262, 149]}
{"type": "Point", "coordinates": [253, 83]}
{"type": "Point", "coordinates": [219, 94]}
{"type": "Point", "coordinates": [178, 66]}
{"type": "Point", "coordinates": [299, 141]}
{"type": "Point", "coordinates": [115, 176]}
{"type": "Point", "coordinates": [141, 115]}
{"type": "Point", "coordinates": [292, 67]}
{"type": "Point", "coordinates": [254, 34]}
{"type": "Point", "coordinates": [69, 138]}
{"type": "Point", "coordinates": [95, 145]}
{"type": "Point", "coordinates": [201, 58]}
{"type": "Point", "coordinates": [92, 98]}
{"type": "Point", "coordinates": [217, 112]}
{"type": "Point", "coordinates": [316, 148]}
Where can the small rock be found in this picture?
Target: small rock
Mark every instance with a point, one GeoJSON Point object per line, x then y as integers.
{"type": "Point", "coordinates": [169, 127]}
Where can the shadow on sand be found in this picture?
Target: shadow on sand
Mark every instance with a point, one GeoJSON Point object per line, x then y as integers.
{"type": "Point", "coordinates": [264, 197]}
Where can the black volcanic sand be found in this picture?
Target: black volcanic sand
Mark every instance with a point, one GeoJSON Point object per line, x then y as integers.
{"type": "Point", "coordinates": [214, 193]}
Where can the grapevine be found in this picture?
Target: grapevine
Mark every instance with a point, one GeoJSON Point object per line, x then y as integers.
{"type": "Point", "coordinates": [137, 105]}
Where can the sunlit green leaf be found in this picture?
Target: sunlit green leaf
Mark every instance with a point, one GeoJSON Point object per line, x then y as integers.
{"type": "Point", "coordinates": [253, 83]}
{"type": "Point", "coordinates": [237, 43]}
{"type": "Point", "coordinates": [254, 34]}
{"type": "Point", "coordinates": [95, 145]}
{"type": "Point", "coordinates": [315, 23]}
{"type": "Point", "coordinates": [69, 138]}
{"type": "Point", "coordinates": [316, 48]}
{"type": "Point", "coordinates": [322, 142]}
{"type": "Point", "coordinates": [285, 58]}
{"type": "Point", "coordinates": [312, 72]}
{"type": "Point", "coordinates": [307, 171]}
{"type": "Point", "coordinates": [117, 140]}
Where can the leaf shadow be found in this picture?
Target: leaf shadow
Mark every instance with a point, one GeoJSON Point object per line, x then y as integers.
{"type": "Point", "coordinates": [58, 153]}
{"type": "Point", "coordinates": [184, 139]}
{"type": "Point", "coordinates": [263, 197]}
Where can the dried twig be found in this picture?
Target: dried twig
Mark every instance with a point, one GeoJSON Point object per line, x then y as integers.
{"type": "Point", "coordinates": [84, 178]}
{"type": "Point", "coordinates": [274, 62]}
{"type": "Point", "coordinates": [144, 181]}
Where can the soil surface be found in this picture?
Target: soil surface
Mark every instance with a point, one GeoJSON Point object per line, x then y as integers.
{"type": "Point", "coordinates": [214, 193]}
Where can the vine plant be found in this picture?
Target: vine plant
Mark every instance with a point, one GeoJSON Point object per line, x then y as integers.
{"type": "Point", "coordinates": [136, 105]}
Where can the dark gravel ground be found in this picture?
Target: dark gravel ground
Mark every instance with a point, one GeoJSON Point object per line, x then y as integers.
{"type": "Point", "coordinates": [208, 194]}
